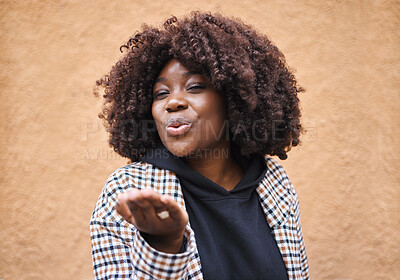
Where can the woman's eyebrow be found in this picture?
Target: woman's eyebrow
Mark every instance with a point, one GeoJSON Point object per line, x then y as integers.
{"type": "Point", "coordinates": [187, 74]}
{"type": "Point", "coordinates": [191, 73]}
{"type": "Point", "coordinates": [159, 80]}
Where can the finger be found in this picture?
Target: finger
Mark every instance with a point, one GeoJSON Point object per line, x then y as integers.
{"type": "Point", "coordinates": [175, 211]}
{"type": "Point", "coordinates": [135, 209]}
{"type": "Point", "coordinates": [144, 204]}
{"type": "Point", "coordinates": [153, 197]}
{"type": "Point", "coordinates": [124, 210]}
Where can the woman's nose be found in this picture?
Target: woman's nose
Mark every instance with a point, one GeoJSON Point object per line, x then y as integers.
{"type": "Point", "coordinates": [176, 102]}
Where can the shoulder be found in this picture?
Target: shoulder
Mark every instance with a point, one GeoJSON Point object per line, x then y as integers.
{"type": "Point", "coordinates": [278, 177]}
{"type": "Point", "coordinates": [275, 170]}
{"type": "Point", "coordinates": [138, 175]}
{"type": "Point", "coordinates": [133, 170]}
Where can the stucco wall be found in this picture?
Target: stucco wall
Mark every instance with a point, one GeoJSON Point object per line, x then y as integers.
{"type": "Point", "coordinates": [55, 158]}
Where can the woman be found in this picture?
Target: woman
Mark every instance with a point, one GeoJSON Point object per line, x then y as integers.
{"type": "Point", "coordinates": [196, 106]}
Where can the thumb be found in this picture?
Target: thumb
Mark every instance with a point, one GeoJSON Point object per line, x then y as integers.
{"type": "Point", "coordinates": [123, 209]}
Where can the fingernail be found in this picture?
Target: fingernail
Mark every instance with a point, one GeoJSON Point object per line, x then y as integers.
{"type": "Point", "coordinates": [163, 199]}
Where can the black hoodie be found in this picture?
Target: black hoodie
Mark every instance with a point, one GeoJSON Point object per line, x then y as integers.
{"type": "Point", "coordinates": [232, 235]}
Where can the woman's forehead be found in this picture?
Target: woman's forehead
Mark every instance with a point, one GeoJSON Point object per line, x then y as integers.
{"type": "Point", "coordinates": [175, 66]}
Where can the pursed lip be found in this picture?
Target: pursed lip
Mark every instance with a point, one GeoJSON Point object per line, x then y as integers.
{"type": "Point", "coordinates": [178, 126]}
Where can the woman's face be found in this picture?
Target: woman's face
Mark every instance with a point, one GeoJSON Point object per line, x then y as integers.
{"type": "Point", "coordinates": [188, 111]}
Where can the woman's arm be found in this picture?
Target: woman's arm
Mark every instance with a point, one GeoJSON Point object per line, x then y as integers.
{"type": "Point", "coordinates": [303, 255]}
{"type": "Point", "coordinates": [119, 249]}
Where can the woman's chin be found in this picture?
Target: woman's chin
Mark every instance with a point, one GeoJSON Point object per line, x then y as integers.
{"type": "Point", "coordinates": [180, 149]}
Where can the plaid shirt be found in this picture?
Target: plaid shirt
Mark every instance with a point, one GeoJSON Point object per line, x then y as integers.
{"type": "Point", "coordinates": [119, 251]}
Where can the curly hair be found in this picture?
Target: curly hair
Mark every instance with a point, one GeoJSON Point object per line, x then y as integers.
{"type": "Point", "coordinates": [259, 88]}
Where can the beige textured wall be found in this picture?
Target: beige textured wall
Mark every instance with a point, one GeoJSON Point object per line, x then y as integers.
{"type": "Point", "coordinates": [55, 158]}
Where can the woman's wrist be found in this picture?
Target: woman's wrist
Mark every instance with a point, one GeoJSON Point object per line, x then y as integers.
{"type": "Point", "coordinates": [168, 244]}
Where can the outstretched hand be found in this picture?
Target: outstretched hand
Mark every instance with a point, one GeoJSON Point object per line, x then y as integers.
{"type": "Point", "coordinates": [142, 208]}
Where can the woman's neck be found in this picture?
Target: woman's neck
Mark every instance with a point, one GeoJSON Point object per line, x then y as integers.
{"type": "Point", "coordinates": [218, 165]}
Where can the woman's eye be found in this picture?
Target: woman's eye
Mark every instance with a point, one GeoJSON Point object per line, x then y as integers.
{"type": "Point", "coordinates": [197, 87]}
{"type": "Point", "coordinates": [160, 94]}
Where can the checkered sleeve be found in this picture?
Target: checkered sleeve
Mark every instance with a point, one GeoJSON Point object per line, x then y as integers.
{"type": "Point", "coordinates": [283, 213]}
{"type": "Point", "coordinates": [118, 249]}
{"type": "Point", "coordinates": [303, 255]}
